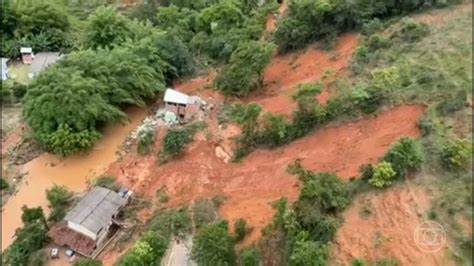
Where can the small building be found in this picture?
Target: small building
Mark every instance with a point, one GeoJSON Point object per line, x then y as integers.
{"type": "Point", "coordinates": [41, 61]}
{"type": "Point", "coordinates": [5, 74]}
{"type": "Point", "coordinates": [89, 223]}
{"type": "Point", "coordinates": [26, 55]}
{"type": "Point", "coordinates": [184, 106]}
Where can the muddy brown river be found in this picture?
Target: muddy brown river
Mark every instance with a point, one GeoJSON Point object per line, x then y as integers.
{"type": "Point", "coordinates": [72, 172]}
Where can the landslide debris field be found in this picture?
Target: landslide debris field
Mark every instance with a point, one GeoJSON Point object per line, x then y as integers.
{"type": "Point", "coordinates": [335, 155]}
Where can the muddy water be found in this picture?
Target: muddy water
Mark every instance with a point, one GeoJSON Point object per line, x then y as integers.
{"type": "Point", "coordinates": [73, 172]}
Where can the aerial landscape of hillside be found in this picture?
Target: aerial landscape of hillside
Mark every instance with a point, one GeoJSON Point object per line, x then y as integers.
{"type": "Point", "coordinates": [237, 132]}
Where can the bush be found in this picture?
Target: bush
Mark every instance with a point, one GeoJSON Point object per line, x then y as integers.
{"type": "Point", "coordinates": [309, 253]}
{"type": "Point", "coordinates": [452, 103]}
{"type": "Point", "coordinates": [376, 42]}
{"type": "Point", "coordinates": [382, 175]}
{"type": "Point", "coordinates": [4, 185]}
{"type": "Point", "coordinates": [456, 153]}
{"type": "Point", "coordinates": [146, 139]}
{"type": "Point", "coordinates": [249, 257]}
{"type": "Point", "coordinates": [358, 262]}
{"type": "Point", "coordinates": [213, 245]}
{"type": "Point", "coordinates": [371, 27]}
{"type": "Point", "coordinates": [29, 239]}
{"type": "Point", "coordinates": [405, 155]}
{"type": "Point", "coordinates": [241, 229]}
{"type": "Point", "coordinates": [274, 132]}
{"type": "Point", "coordinates": [323, 191]}
{"type": "Point", "coordinates": [106, 181]}
{"type": "Point", "coordinates": [174, 142]}
{"type": "Point", "coordinates": [59, 198]}
{"type": "Point", "coordinates": [411, 31]}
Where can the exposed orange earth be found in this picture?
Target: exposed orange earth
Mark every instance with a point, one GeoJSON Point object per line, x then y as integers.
{"type": "Point", "coordinates": [261, 178]}
{"type": "Point", "coordinates": [388, 232]}
{"type": "Point", "coordinates": [285, 72]}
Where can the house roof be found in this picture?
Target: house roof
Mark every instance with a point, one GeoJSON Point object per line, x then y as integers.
{"type": "Point", "coordinates": [26, 50]}
{"type": "Point", "coordinates": [96, 208]}
{"type": "Point", "coordinates": [175, 96]}
{"type": "Point", "coordinates": [42, 61]}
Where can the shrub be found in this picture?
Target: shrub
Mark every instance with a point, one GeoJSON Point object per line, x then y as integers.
{"type": "Point", "coordinates": [371, 27]}
{"type": "Point", "coordinates": [64, 141]}
{"type": "Point", "coordinates": [376, 42]}
{"type": "Point", "coordinates": [360, 55]}
{"type": "Point", "coordinates": [309, 253]}
{"type": "Point", "coordinates": [249, 257]}
{"type": "Point", "coordinates": [59, 198]}
{"type": "Point", "coordinates": [452, 103]}
{"type": "Point", "coordinates": [366, 98]}
{"type": "Point", "coordinates": [405, 155]}
{"type": "Point", "coordinates": [385, 79]}
{"type": "Point", "coordinates": [274, 132]}
{"type": "Point", "coordinates": [411, 31]}
{"type": "Point", "coordinates": [213, 245]}
{"type": "Point", "coordinates": [456, 153]}
{"type": "Point", "coordinates": [382, 175]}
{"type": "Point", "coordinates": [4, 184]}
{"type": "Point", "coordinates": [106, 181]}
{"type": "Point", "coordinates": [324, 191]}
{"type": "Point", "coordinates": [58, 195]}
{"type": "Point", "coordinates": [174, 142]}
{"type": "Point", "coordinates": [30, 238]}
{"type": "Point", "coordinates": [146, 141]}
{"type": "Point", "coordinates": [241, 229]}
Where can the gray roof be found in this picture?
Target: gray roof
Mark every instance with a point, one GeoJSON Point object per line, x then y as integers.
{"type": "Point", "coordinates": [42, 60]}
{"type": "Point", "coordinates": [96, 209]}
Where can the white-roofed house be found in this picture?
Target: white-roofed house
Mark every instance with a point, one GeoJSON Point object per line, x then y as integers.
{"type": "Point", "coordinates": [26, 55]}
{"type": "Point", "coordinates": [184, 106]}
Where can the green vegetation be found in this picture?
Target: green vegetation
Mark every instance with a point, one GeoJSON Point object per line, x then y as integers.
{"type": "Point", "coordinates": [146, 139]}
{"type": "Point", "coordinates": [383, 174]}
{"type": "Point", "coordinates": [213, 245]}
{"type": "Point", "coordinates": [106, 181]}
{"type": "Point", "coordinates": [457, 153]}
{"type": "Point", "coordinates": [4, 184]}
{"type": "Point", "coordinates": [245, 70]}
{"type": "Point", "coordinates": [29, 238]}
{"type": "Point", "coordinates": [241, 229]}
{"type": "Point", "coordinates": [151, 246]}
{"type": "Point", "coordinates": [40, 25]}
{"type": "Point", "coordinates": [59, 198]}
{"type": "Point", "coordinates": [249, 257]}
{"type": "Point", "coordinates": [307, 20]}
{"type": "Point", "coordinates": [175, 141]}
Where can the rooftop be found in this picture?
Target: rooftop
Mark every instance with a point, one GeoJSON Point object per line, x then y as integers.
{"type": "Point", "coordinates": [175, 96]}
{"type": "Point", "coordinates": [96, 209]}
{"type": "Point", "coordinates": [26, 50]}
{"type": "Point", "coordinates": [42, 61]}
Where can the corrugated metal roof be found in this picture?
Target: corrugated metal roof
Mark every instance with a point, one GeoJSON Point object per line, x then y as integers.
{"type": "Point", "coordinates": [96, 209]}
{"type": "Point", "coordinates": [175, 96]}
{"type": "Point", "coordinates": [42, 61]}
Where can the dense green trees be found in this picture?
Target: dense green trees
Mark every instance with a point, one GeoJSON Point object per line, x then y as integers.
{"type": "Point", "coordinates": [30, 238]}
{"type": "Point", "coordinates": [213, 245]}
{"type": "Point", "coordinates": [39, 25]}
{"type": "Point", "coordinates": [245, 70]}
{"type": "Point", "coordinates": [59, 198]}
{"type": "Point", "coordinates": [309, 20]}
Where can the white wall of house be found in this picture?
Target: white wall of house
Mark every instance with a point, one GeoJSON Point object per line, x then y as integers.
{"type": "Point", "coordinates": [81, 229]}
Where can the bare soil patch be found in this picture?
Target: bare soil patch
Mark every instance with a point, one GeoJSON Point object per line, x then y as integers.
{"type": "Point", "coordinates": [387, 230]}
{"type": "Point", "coordinates": [261, 178]}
